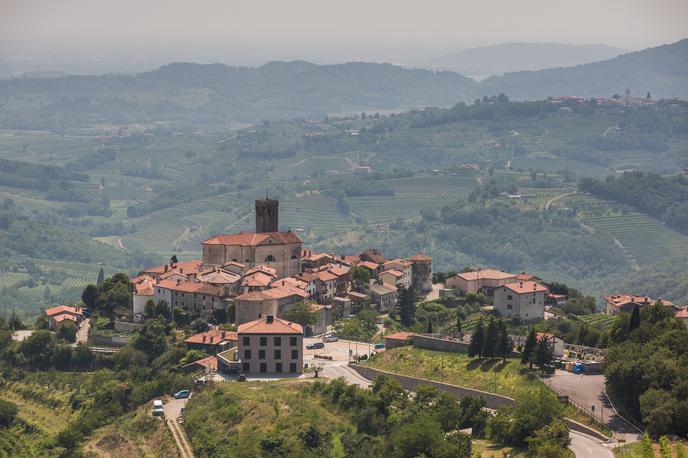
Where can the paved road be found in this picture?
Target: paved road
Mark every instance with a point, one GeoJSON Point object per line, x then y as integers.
{"type": "Point", "coordinates": [588, 390]}
{"type": "Point", "coordinates": [351, 376]}
{"type": "Point", "coordinates": [587, 447]}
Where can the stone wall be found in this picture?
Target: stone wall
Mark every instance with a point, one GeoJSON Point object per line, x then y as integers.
{"type": "Point", "coordinates": [434, 343]}
{"type": "Point", "coordinates": [107, 341]}
{"type": "Point", "coordinates": [492, 400]}
{"type": "Point", "coordinates": [123, 326]}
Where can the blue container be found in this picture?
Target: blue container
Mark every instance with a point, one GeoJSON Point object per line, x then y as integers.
{"type": "Point", "coordinates": [578, 368]}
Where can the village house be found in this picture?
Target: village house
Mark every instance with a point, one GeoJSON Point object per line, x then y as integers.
{"type": "Point", "coordinates": [312, 260]}
{"type": "Point", "coordinates": [212, 342]}
{"type": "Point", "coordinates": [555, 342]}
{"type": "Point", "coordinates": [254, 305]}
{"type": "Point", "coordinates": [523, 299]}
{"type": "Point", "coordinates": [384, 296]}
{"type": "Point", "coordinates": [618, 303]}
{"type": "Point", "coordinates": [397, 265]}
{"type": "Point", "coordinates": [270, 345]}
{"type": "Point", "coordinates": [58, 315]}
{"type": "Point", "coordinates": [144, 291]}
{"type": "Point", "coordinates": [183, 268]}
{"type": "Point", "coordinates": [192, 296]}
{"type": "Point", "coordinates": [323, 318]}
{"type": "Point", "coordinates": [326, 286]}
{"type": "Point", "coordinates": [392, 278]}
{"type": "Point", "coordinates": [484, 281]}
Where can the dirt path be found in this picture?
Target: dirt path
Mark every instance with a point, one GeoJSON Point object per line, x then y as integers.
{"type": "Point", "coordinates": [183, 235]}
{"type": "Point", "coordinates": [554, 199]}
{"type": "Point", "coordinates": [121, 246]}
{"type": "Point", "coordinates": [173, 408]}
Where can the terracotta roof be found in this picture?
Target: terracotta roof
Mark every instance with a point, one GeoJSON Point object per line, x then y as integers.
{"type": "Point", "coordinates": [325, 276]}
{"type": "Point", "coordinates": [400, 262]}
{"type": "Point", "coordinates": [290, 281]}
{"type": "Point", "coordinates": [420, 257]}
{"type": "Point", "coordinates": [403, 336]}
{"type": "Point", "coordinates": [208, 361]}
{"type": "Point", "coordinates": [190, 287]}
{"type": "Point", "coordinates": [172, 273]}
{"type": "Point", "coordinates": [64, 316]}
{"type": "Point", "coordinates": [486, 274]}
{"type": "Point", "coordinates": [525, 277]}
{"type": "Point", "coordinates": [234, 263]}
{"type": "Point", "coordinates": [141, 278]}
{"type": "Point", "coordinates": [369, 265]}
{"type": "Point", "coordinates": [218, 277]}
{"type": "Point", "coordinates": [212, 337]}
{"type": "Point", "coordinates": [186, 266]}
{"type": "Point", "coordinates": [683, 313]}
{"type": "Point", "coordinates": [63, 309]}
{"type": "Point", "coordinates": [525, 287]}
{"type": "Point", "coordinates": [307, 276]}
{"type": "Point", "coordinates": [381, 290]}
{"type": "Point", "coordinates": [394, 272]}
{"type": "Point", "coordinates": [253, 239]}
{"type": "Point", "coordinates": [145, 288]}
{"type": "Point", "coordinates": [357, 295]}
{"type": "Point", "coordinates": [281, 292]}
{"type": "Point", "coordinates": [278, 326]}
{"type": "Point", "coordinates": [318, 307]}
{"type": "Point", "coordinates": [544, 335]}
{"type": "Point", "coordinates": [256, 296]}
{"type": "Point", "coordinates": [267, 270]}
{"type": "Point", "coordinates": [258, 279]}
{"type": "Point", "coordinates": [620, 300]}
{"type": "Point", "coordinates": [310, 256]}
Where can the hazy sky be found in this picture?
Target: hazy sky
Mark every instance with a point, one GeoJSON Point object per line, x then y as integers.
{"type": "Point", "coordinates": [382, 30]}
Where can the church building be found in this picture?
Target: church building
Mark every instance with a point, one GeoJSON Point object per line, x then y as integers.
{"type": "Point", "coordinates": [266, 246]}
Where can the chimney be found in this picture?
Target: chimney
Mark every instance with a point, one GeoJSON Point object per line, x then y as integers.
{"type": "Point", "coordinates": [223, 334]}
{"type": "Point", "coordinates": [211, 339]}
{"type": "Point", "coordinates": [204, 338]}
{"type": "Point", "coordinates": [181, 270]}
{"type": "Point", "coordinates": [166, 267]}
{"type": "Point", "coordinates": [269, 319]}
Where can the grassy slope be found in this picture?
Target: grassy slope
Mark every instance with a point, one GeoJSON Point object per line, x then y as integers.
{"type": "Point", "coordinates": [135, 434]}
{"type": "Point", "coordinates": [509, 379]}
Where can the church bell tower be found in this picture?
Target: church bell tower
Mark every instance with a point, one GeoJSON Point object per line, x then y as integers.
{"type": "Point", "coordinates": [267, 211]}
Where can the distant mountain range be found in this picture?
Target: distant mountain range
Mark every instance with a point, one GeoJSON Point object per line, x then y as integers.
{"type": "Point", "coordinates": [218, 94]}
{"type": "Point", "coordinates": [480, 63]}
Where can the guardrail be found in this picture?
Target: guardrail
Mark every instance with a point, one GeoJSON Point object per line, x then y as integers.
{"type": "Point", "coordinates": [579, 407]}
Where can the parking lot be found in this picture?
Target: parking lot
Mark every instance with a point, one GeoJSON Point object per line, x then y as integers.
{"type": "Point", "coordinates": [340, 351]}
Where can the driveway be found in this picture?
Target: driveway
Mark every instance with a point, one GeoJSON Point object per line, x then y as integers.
{"type": "Point", "coordinates": [586, 446]}
{"type": "Point", "coordinates": [173, 408]}
{"type": "Point", "coordinates": [588, 391]}
{"type": "Point", "coordinates": [82, 332]}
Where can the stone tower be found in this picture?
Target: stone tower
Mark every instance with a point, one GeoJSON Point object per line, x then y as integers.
{"type": "Point", "coordinates": [267, 212]}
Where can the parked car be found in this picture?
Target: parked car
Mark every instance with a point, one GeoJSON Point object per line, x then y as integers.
{"type": "Point", "coordinates": [330, 338]}
{"type": "Point", "coordinates": [241, 378]}
{"type": "Point", "coordinates": [157, 408]}
{"type": "Point", "coordinates": [315, 346]}
{"type": "Point", "coordinates": [379, 346]}
{"type": "Point", "coordinates": [183, 394]}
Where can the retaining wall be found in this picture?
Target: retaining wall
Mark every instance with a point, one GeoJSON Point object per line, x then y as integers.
{"type": "Point", "coordinates": [492, 400]}
{"type": "Point", "coordinates": [124, 326]}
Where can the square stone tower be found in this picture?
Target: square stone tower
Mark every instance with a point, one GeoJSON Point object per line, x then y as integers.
{"type": "Point", "coordinates": [267, 215]}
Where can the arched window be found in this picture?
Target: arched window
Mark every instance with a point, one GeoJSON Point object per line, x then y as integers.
{"type": "Point", "coordinates": [293, 256]}
{"type": "Point", "coordinates": [234, 260]}
{"type": "Point", "coordinates": [247, 261]}
{"type": "Point", "coordinates": [269, 258]}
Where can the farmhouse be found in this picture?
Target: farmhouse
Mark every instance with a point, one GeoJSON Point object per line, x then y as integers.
{"type": "Point", "coordinates": [524, 299]}
{"type": "Point", "coordinates": [58, 315]}
{"type": "Point", "coordinates": [618, 303]}
{"type": "Point", "coordinates": [485, 281]}
{"type": "Point", "coordinates": [271, 345]}
{"type": "Point", "coordinates": [212, 342]}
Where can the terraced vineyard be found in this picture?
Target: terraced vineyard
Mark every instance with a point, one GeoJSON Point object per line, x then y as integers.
{"type": "Point", "coordinates": [9, 279]}
{"type": "Point", "coordinates": [598, 320]}
{"type": "Point", "coordinates": [313, 212]}
{"type": "Point", "coordinates": [645, 239]}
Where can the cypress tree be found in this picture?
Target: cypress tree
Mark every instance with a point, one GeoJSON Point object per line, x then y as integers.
{"type": "Point", "coordinates": [491, 336]}
{"type": "Point", "coordinates": [475, 348]}
{"type": "Point", "coordinates": [529, 348]}
{"type": "Point", "coordinates": [544, 354]}
{"type": "Point", "coordinates": [458, 325]}
{"type": "Point", "coordinates": [101, 277]}
{"type": "Point", "coordinates": [504, 343]}
{"type": "Point", "coordinates": [634, 322]}
{"type": "Point", "coordinates": [429, 326]}
{"type": "Point", "coordinates": [406, 307]}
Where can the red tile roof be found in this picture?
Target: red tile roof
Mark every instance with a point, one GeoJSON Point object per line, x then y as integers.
{"type": "Point", "coordinates": [60, 309]}
{"type": "Point", "coordinates": [420, 257]}
{"type": "Point", "coordinates": [525, 277]}
{"type": "Point", "coordinates": [267, 270]}
{"type": "Point", "coordinates": [190, 287]}
{"type": "Point", "coordinates": [525, 287]}
{"type": "Point", "coordinates": [404, 336]}
{"type": "Point", "coordinates": [278, 326]}
{"type": "Point", "coordinates": [257, 296]}
{"type": "Point", "coordinates": [208, 361]}
{"type": "Point", "coordinates": [145, 288]}
{"type": "Point", "coordinates": [212, 337]}
{"type": "Point", "coordinates": [257, 280]}
{"type": "Point", "coordinates": [325, 276]}
{"type": "Point", "coordinates": [290, 281]}
{"type": "Point", "coordinates": [218, 277]}
{"type": "Point", "coordinates": [187, 267]}
{"type": "Point", "coordinates": [485, 274]}
{"type": "Point", "coordinates": [620, 300]}
{"type": "Point", "coordinates": [64, 316]}
{"type": "Point", "coordinates": [281, 292]}
{"type": "Point", "coordinates": [394, 272]}
{"type": "Point", "coordinates": [253, 239]}
{"type": "Point", "coordinates": [369, 265]}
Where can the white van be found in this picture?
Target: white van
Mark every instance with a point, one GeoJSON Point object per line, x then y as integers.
{"type": "Point", "coordinates": [157, 408]}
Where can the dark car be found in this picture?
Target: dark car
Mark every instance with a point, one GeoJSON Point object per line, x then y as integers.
{"type": "Point", "coordinates": [315, 346]}
{"type": "Point", "coordinates": [241, 378]}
